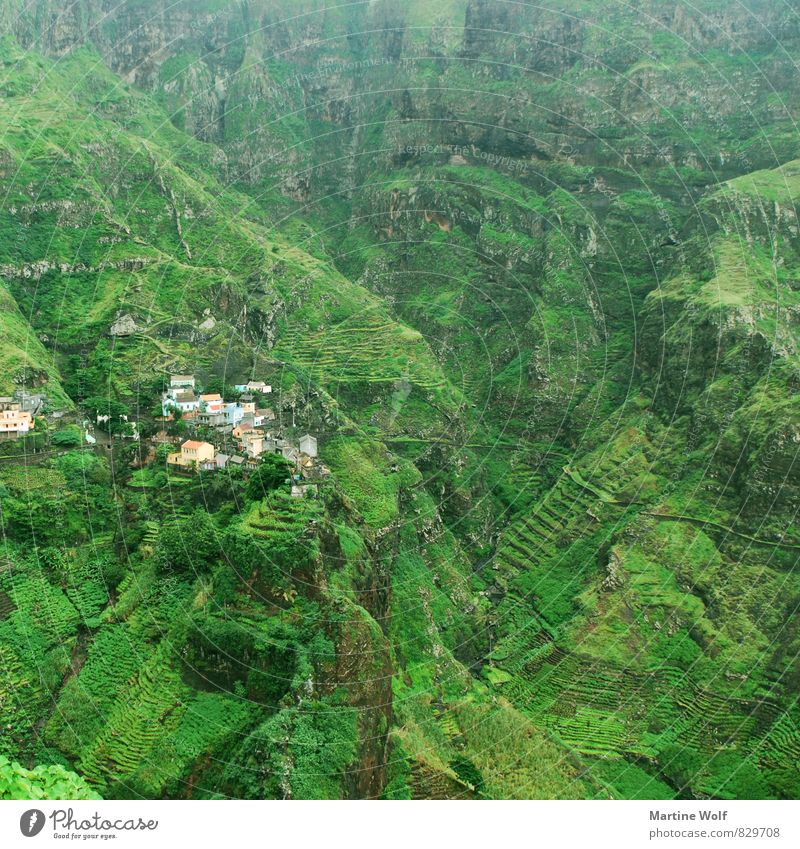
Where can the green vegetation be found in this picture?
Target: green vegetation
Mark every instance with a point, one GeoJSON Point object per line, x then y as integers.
{"type": "Point", "coordinates": [538, 299]}
{"type": "Point", "coordinates": [42, 782]}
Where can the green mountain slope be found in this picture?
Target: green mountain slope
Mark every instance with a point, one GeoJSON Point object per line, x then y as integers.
{"type": "Point", "coordinates": [531, 276]}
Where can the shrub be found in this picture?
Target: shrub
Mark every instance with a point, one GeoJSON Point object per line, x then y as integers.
{"type": "Point", "coordinates": [188, 544]}
{"type": "Point", "coordinates": [270, 475]}
{"type": "Point", "coordinates": [41, 782]}
{"type": "Point", "coordinates": [69, 437]}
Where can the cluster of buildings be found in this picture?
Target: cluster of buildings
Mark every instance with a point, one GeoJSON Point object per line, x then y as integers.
{"type": "Point", "coordinates": [211, 409]}
{"type": "Point", "coordinates": [14, 418]}
{"type": "Point", "coordinates": [245, 422]}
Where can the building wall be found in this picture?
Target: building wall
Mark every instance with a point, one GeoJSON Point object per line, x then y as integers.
{"type": "Point", "coordinates": [12, 421]}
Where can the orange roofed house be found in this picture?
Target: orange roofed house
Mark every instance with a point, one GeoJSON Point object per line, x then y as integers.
{"type": "Point", "coordinates": [193, 455]}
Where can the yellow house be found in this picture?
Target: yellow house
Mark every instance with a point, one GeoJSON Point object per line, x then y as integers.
{"type": "Point", "coordinates": [192, 454]}
{"type": "Point", "coordinates": [240, 430]}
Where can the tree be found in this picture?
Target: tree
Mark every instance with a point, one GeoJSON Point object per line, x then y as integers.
{"type": "Point", "coordinates": [177, 427]}
{"type": "Point", "coordinates": [245, 555]}
{"type": "Point", "coordinates": [269, 475]}
{"type": "Point", "coordinates": [188, 544]}
{"type": "Point", "coordinates": [149, 391]}
{"type": "Point", "coordinates": [215, 384]}
{"type": "Point", "coordinates": [69, 437]}
{"type": "Point", "coordinates": [146, 428]}
{"type": "Point", "coordinates": [214, 490]}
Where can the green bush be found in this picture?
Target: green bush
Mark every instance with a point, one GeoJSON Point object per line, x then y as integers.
{"type": "Point", "coordinates": [271, 474]}
{"type": "Point", "coordinates": [69, 437]}
{"type": "Point", "coordinates": [188, 544]}
{"type": "Point", "coordinates": [41, 782]}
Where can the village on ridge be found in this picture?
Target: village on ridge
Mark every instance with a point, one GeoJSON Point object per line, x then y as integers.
{"type": "Point", "coordinates": [244, 421]}
{"type": "Point", "coordinates": [246, 428]}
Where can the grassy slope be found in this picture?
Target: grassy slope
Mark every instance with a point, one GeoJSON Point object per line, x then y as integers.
{"type": "Point", "coordinates": [99, 182]}
{"type": "Point", "coordinates": [126, 212]}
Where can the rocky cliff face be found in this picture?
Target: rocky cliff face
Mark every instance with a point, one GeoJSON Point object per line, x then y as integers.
{"type": "Point", "coordinates": [589, 84]}
{"type": "Point", "coordinates": [720, 338]}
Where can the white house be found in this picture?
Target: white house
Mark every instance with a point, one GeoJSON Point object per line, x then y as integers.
{"type": "Point", "coordinates": [254, 386]}
{"type": "Point", "coordinates": [263, 415]}
{"type": "Point", "coordinates": [179, 399]}
{"type": "Point", "coordinates": [259, 386]}
{"type": "Point", "coordinates": [234, 413]}
{"type": "Point", "coordinates": [181, 381]}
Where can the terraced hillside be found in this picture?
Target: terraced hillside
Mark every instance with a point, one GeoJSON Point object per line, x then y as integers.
{"type": "Point", "coordinates": [530, 274]}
